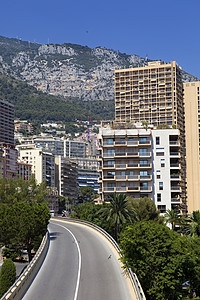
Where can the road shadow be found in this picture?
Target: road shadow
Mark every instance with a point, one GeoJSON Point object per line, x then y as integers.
{"type": "Point", "coordinates": [54, 235]}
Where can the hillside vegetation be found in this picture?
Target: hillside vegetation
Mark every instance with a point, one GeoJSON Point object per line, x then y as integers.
{"type": "Point", "coordinates": [37, 106]}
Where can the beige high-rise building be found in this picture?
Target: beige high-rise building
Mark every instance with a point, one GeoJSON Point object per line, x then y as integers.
{"type": "Point", "coordinates": [153, 93]}
{"type": "Point", "coordinates": [192, 134]}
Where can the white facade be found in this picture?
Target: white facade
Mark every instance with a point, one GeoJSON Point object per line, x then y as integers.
{"type": "Point", "coordinates": [141, 163]}
{"type": "Point", "coordinates": [166, 168]}
{"type": "Point", "coordinates": [43, 164]}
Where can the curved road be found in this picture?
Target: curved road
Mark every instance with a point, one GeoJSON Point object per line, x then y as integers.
{"type": "Point", "coordinates": [79, 266]}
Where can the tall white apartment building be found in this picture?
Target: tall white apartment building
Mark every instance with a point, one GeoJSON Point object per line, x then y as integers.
{"type": "Point", "coordinates": [140, 162]}
{"type": "Point", "coordinates": [43, 164]}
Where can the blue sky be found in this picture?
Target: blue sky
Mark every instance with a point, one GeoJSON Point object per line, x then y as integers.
{"type": "Point", "coordinates": [167, 30]}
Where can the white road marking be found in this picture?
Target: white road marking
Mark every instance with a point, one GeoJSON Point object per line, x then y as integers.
{"type": "Point", "coordinates": [79, 260]}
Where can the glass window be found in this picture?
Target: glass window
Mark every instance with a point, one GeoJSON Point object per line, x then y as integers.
{"type": "Point", "coordinates": [111, 184]}
{"type": "Point", "coordinates": [143, 162]}
{"type": "Point", "coordinates": [158, 174]}
{"type": "Point", "coordinates": [143, 150]}
{"type": "Point", "coordinates": [162, 162]}
{"type": "Point", "coordinates": [111, 174]}
{"type": "Point", "coordinates": [142, 140]}
{"type": "Point", "coordinates": [110, 141]}
{"type": "Point", "coordinates": [158, 197]}
{"type": "Point", "coordinates": [123, 173]}
{"type": "Point", "coordinates": [157, 140]}
{"type": "Point", "coordinates": [111, 163]}
{"type": "Point", "coordinates": [143, 173]}
{"type": "Point", "coordinates": [111, 152]}
{"type": "Point", "coordinates": [131, 172]}
{"type": "Point", "coordinates": [160, 185]}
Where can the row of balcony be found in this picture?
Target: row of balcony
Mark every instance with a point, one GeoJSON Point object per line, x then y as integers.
{"type": "Point", "coordinates": [127, 166]}
{"type": "Point", "coordinates": [127, 143]}
{"type": "Point", "coordinates": [127, 154]}
{"type": "Point", "coordinates": [134, 166]}
{"type": "Point", "coordinates": [147, 189]}
{"type": "Point", "coordinates": [126, 178]}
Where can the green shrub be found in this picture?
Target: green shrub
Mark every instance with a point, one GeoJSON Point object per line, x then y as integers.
{"type": "Point", "coordinates": [11, 253]}
{"type": "Point", "coordinates": [7, 276]}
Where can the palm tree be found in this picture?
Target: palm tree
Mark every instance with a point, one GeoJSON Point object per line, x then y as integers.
{"type": "Point", "coordinates": [172, 217]}
{"type": "Point", "coordinates": [119, 211]}
{"type": "Point", "coordinates": [193, 226]}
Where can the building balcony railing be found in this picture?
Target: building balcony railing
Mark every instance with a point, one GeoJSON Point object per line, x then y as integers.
{"type": "Point", "coordinates": [175, 200]}
{"type": "Point", "coordinates": [176, 188]}
{"type": "Point", "coordinates": [175, 166]}
{"type": "Point", "coordinates": [145, 177]}
{"type": "Point", "coordinates": [120, 166]}
{"type": "Point", "coordinates": [120, 143]}
{"type": "Point", "coordinates": [132, 143]}
{"type": "Point", "coordinates": [174, 143]}
{"type": "Point", "coordinates": [174, 154]}
{"type": "Point", "coordinates": [175, 177]}
{"type": "Point", "coordinates": [147, 154]}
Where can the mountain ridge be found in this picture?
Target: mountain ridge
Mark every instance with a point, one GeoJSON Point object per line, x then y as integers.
{"type": "Point", "coordinates": [67, 70]}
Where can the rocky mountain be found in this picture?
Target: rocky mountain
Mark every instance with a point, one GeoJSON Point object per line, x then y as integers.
{"type": "Point", "coordinates": [67, 70]}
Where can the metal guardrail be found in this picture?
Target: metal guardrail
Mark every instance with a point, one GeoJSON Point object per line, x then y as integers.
{"type": "Point", "coordinates": [133, 277]}
{"type": "Point", "coordinates": [17, 290]}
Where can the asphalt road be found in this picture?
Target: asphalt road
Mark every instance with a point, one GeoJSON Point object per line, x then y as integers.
{"type": "Point", "coordinates": [78, 266]}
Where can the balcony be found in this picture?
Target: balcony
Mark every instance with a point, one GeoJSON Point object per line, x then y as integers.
{"type": "Point", "coordinates": [176, 166]}
{"type": "Point", "coordinates": [120, 166]}
{"type": "Point", "coordinates": [132, 143]}
{"type": "Point", "coordinates": [109, 178]}
{"type": "Point", "coordinates": [175, 200]}
{"type": "Point", "coordinates": [133, 188]}
{"type": "Point", "coordinates": [132, 177]}
{"type": "Point", "coordinates": [146, 189]}
{"type": "Point", "coordinates": [120, 178]}
{"type": "Point", "coordinates": [120, 143]}
{"type": "Point", "coordinates": [174, 143]}
{"type": "Point", "coordinates": [132, 154]}
{"type": "Point", "coordinates": [176, 154]}
{"type": "Point", "coordinates": [121, 189]}
{"type": "Point", "coordinates": [145, 154]}
{"type": "Point", "coordinates": [144, 143]}
{"type": "Point", "coordinates": [175, 177]}
{"type": "Point", "coordinates": [145, 177]}
{"type": "Point", "coordinates": [108, 155]}
{"type": "Point", "coordinates": [109, 189]}
{"type": "Point", "coordinates": [176, 188]}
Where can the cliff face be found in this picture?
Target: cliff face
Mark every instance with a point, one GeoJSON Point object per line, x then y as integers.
{"type": "Point", "coordinates": [66, 70]}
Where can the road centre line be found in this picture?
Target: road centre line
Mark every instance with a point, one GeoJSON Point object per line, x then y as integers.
{"type": "Point", "coordinates": [79, 260]}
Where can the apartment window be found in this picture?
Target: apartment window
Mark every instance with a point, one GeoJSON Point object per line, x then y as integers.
{"type": "Point", "coordinates": [144, 186]}
{"type": "Point", "coordinates": [142, 151]}
{"type": "Point", "coordinates": [110, 141]}
{"type": "Point", "coordinates": [111, 184]}
{"type": "Point", "coordinates": [162, 208]}
{"type": "Point", "coordinates": [131, 173]}
{"type": "Point", "coordinates": [158, 197]}
{"type": "Point", "coordinates": [123, 173]}
{"type": "Point", "coordinates": [111, 174]}
{"type": "Point", "coordinates": [160, 185]}
{"type": "Point", "coordinates": [110, 152]}
{"type": "Point", "coordinates": [158, 174]}
{"type": "Point", "coordinates": [143, 162]}
{"type": "Point", "coordinates": [111, 163]}
{"type": "Point", "coordinates": [157, 140]}
{"type": "Point", "coordinates": [142, 140]}
{"type": "Point", "coordinates": [160, 151]}
{"type": "Point", "coordinates": [162, 162]}
{"type": "Point", "coordinates": [143, 173]}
